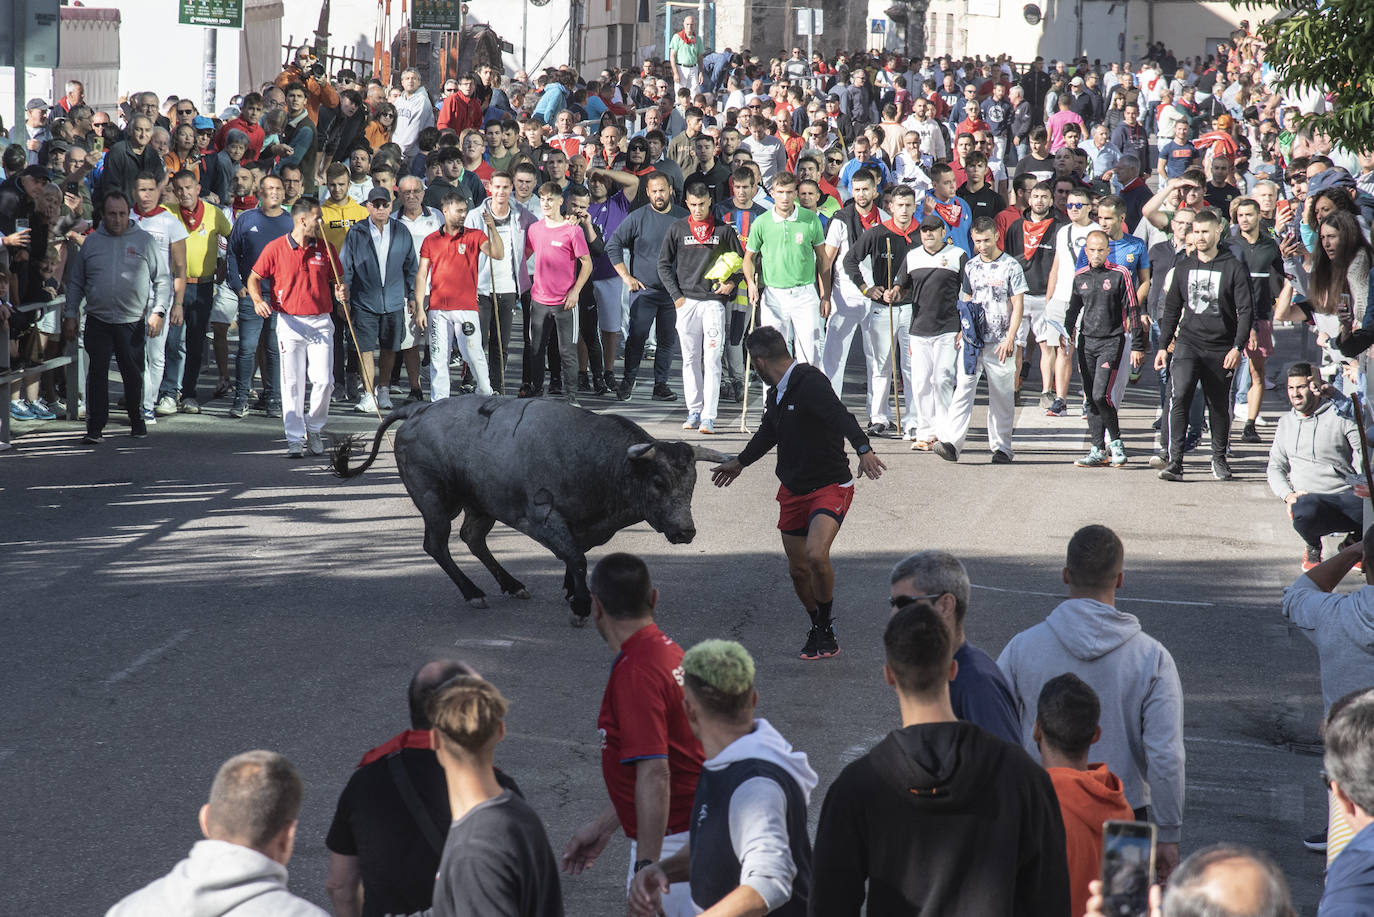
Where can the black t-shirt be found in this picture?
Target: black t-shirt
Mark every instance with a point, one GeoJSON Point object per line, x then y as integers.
{"type": "Point", "coordinates": [1221, 196]}
{"type": "Point", "coordinates": [1043, 169]}
{"type": "Point", "coordinates": [373, 823]}
{"type": "Point", "coordinates": [497, 863]}
{"type": "Point", "coordinates": [984, 203]}
{"type": "Point", "coordinates": [717, 179]}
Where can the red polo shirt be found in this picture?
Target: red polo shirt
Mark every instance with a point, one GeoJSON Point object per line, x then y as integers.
{"type": "Point", "coordinates": [642, 717]}
{"type": "Point", "coordinates": [302, 276]}
{"type": "Point", "coordinates": [453, 268]}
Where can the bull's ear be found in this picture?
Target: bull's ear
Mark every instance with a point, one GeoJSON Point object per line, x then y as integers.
{"type": "Point", "coordinates": [641, 452]}
{"type": "Point", "coordinates": [702, 454]}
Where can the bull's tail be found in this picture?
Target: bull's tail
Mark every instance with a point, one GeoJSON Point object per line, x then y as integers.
{"type": "Point", "coordinates": [344, 450]}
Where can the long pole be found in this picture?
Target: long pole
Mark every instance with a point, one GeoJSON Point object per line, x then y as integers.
{"type": "Point", "coordinates": [210, 76]}
{"type": "Point", "coordinates": [348, 319]}
{"type": "Point", "coordinates": [1364, 442]}
{"type": "Point", "coordinates": [21, 88]}
{"type": "Point", "coordinates": [893, 356]}
{"type": "Point", "coordinates": [496, 310]}
{"type": "Point", "coordinates": [744, 408]}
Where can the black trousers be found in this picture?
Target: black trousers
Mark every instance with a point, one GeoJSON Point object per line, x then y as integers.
{"type": "Point", "coordinates": [1099, 362]}
{"type": "Point", "coordinates": [534, 360]}
{"type": "Point", "coordinates": [589, 330]}
{"type": "Point", "coordinates": [1189, 367]}
{"type": "Point", "coordinates": [1318, 515]}
{"type": "Point", "coordinates": [556, 327]}
{"type": "Point", "coordinates": [123, 341]}
{"type": "Point", "coordinates": [496, 334]}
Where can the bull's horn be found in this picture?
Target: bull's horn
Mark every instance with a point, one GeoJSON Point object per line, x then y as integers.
{"type": "Point", "coordinates": [641, 451]}
{"type": "Point", "coordinates": [702, 454]}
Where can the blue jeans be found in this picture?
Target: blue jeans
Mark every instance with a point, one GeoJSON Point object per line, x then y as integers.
{"type": "Point", "coordinates": [645, 307]}
{"type": "Point", "coordinates": [183, 368]}
{"type": "Point", "coordinates": [253, 327]}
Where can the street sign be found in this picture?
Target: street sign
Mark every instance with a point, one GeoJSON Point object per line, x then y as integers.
{"type": "Point", "coordinates": [219, 14]}
{"type": "Point", "coordinates": [810, 22]}
{"type": "Point", "coordinates": [39, 37]}
{"type": "Point", "coordinates": [442, 15]}
{"type": "Point", "coordinates": [878, 26]}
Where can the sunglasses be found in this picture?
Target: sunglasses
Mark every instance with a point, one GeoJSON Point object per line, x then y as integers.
{"type": "Point", "coordinates": [186, 111]}
{"type": "Point", "coordinates": [1073, 206]}
{"type": "Point", "coordinates": [836, 162]}
{"type": "Point", "coordinates": [379, 204]}
{"type": "Point", "coordinates": [901, 601]}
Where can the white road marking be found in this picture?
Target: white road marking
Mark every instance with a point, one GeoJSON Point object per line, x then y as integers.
{"type": "Point", "coordinates": [151, 655]}
{"type": "Point", "coordinates": [80, 486]}
{"type": "Point", "coordinates": [495, 644]}
{"type": "Point", "coordinates": [1120, 598]}
{"type": "Point", "coordinates": [550, 740]}
{"type": "Point", "coordinates": [1237, 743]}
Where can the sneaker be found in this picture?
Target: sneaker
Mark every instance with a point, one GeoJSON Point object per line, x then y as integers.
{"type": "Point", "coordinates": [139, 432]}
{"type": "Point", "coordinates": [1171, 472]}
{"type": "Point", "coordinates": [314, 441]}
{"type": "Point", "coordinates": [93, 439]}
{"type": "Point", "coordinates": [239, 409]}
{"type": "Point", "coordinates": [624, 390]}
{"type": "Point", "coordinates": [1057, 408]}
{"type": "Point", "coordinates": [339, 395]}
{"type": "Point", "coordinates": [1083, 411]}
{"type": "Point", "coordinates": [1315, 842]}
{"type": "Point", "coordinates": [708, 427]}
{"type": "Point", "coordinates": [295, 449]}
{"type": "Point", "coordinates": [555, 386]}
{"type": "Point", "coordinates": [1260, 421]}
{"type": "Point", "coordinates": [166, 406]}
{"type": "Point", "coordinates": [1001, 458]}
{"type": "Point", "coordinates": [273, 409]}
{"type": "Point", "coordinates": [366, 404]}
{"type": "Point", "coordinates": [1190, 441]}
{"type": "Point", "coordinates": [599, 384]}
{"type": "Point", "coordinates": [19, 410]}
{"type": "Point", "coordinates": [584, 382]}
{"type": "Point", "coordinates": [1249, 434]}
{"type": "Point", "coordinates": [1118, 453]}
{"type": "Point", "coordinates": [149, 417]}
{"type": "Point", "coordinates": [693, 421]}
{"type": "Point", "coordinates": [572, 400]}
{"type": "Point", "coordinates": [737, 391]}
{"type": "Point", "coordinates": [878, 428]}
{"type": "Point", "coordinates": [610, 382]}
{"type": "Point", "coordinates": [40, 411]}
{"type": "Point", "coordinates": [190, 406]}
{"type": "Point", "coordinates": [225, 387]}
{"type": "Point", "coordinates": [384, 398]}
{"type": "Point", "coordinates": [1311, 557]}
{"type": "Point", "coordinates": [1221, 469]}
{"type": "Point", "coordinates": [820, 643]}
{"type": "Point", "coordinates": [945, 451]}
{"type": "Point", "coordinates": [664, 393]}
{"type": "Point", "coordinates": [1047, 399]}
{"type": "Point", "coordinates": [1159, 460]}
{"type": "Point", "coordinates": [1095, 458]}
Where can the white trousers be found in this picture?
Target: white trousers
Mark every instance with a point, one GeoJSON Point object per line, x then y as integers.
{"type": "Point", "coordinates": [445, 327]}
{"type": "Point", "coordinates": [306, 343]}
{"type": "Point", "coordinates": [678, 901]}
{"type": "Point", "coordinates": [796, 312]}
{"type": "Point", "coordinates": [154, 359]}
{"type": "Point", "coordinates": [1001, 376]}
{"type": "Point", "coordinates": [701, 337]}
{"type": "Point", "coordinates": [881, 325]}
{"type": "Point", "coordinates": [691, 77]}
{"type": "Point", "coordinates": [935, 371]}
{"type": "Point", "coordinates": [849, 309]}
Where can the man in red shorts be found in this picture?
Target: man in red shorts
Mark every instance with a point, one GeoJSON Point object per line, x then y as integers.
{"type": "Point", "coordinates": [806, 421]}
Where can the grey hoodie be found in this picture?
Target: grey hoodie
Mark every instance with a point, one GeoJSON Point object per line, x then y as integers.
{"type": "Point", "coordinates": [1135, 679]}
{"type": "Point", "coordinates": [218, 879]}
{"type": "Point", "coordinates": [1317, 453]}
{"type": "Point", "coordinates": [758, 811]}
{"type": "Point", "coordinates": [122, 278]}
{"type": "Point", "coordinates": [1341, 625]}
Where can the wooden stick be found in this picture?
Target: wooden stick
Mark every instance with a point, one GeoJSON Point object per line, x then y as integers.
{"type": "Point", "coordinates": [744, 408]}
{"type": "Point", "coordinates": [348, 318]}
{"type": "Point", "coordinates": [892, 341]}
{"type": "Point", "coordinates": [1364, 441]}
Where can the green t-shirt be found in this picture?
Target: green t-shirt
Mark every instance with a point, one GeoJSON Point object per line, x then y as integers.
{"type": "Point", "coordinates": [685, 54]}
{"type": "Point", "coordinates": [787, 247]}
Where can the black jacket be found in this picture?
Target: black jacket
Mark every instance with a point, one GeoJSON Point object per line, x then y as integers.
{"type": "Point", "coordinates": [809, 428]}
{"type": "Point", "coordinates": [887, 247]}
{"type": "Point", "coordinates": [1104, 299]}
{"type": "Point", "coordinates": [1219, 308]}
{"type": "Point", "coordinates": [944, 819]}
{"type": "Point", "coordinates": [683, 261]}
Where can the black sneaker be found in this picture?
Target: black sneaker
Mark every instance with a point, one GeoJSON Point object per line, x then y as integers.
{"type": "Point", "coordinates": [625, 389]}
{"type": "Point", "coordinates": [555, 386]}
{"type": "Point", "coordinates": [611, 384]}
{"type": "Point", "coordinates": [1221, 469]}
{"type": "Point", "coordinates": [584, 382]}
{"type": "Point", "coordinates": [1001, 458]}
{"type": "Point", "coordinates": [93, 439]}
{"type": "Point", "coordinates": [820, 643]}
{"type": "Point", "coordinates": [945, 451]}
{"type": "Point", "coordinates": [1311, 556]}
{"type": "Point", "coordinates": [274, 409]}
{"type": "Point", "coordinates": [664, 393]}
{"type": "Point", "coordinates": [1249, 434]}
{"type": "Point", "coordinates": [239, 409]}
{"type": "Point", "coordinates": [877, 429]}
{"type": "Point", "coordinates": [1315, 842]}
{"type": "Point", "coordinates": [809, 649]}
{"type": "Point", "coordinates": [601, 386]}
{"type": "Point", "coordinates": [1171, 472]}
{"type": "Point", "coordinates": [737, 391]}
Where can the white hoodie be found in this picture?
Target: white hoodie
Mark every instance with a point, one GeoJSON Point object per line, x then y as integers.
{"type": "Point", "coordinates": [218, 879]}
{"type": "Point", "coordinates": [758, 812]}
{"type": "Point", "coordinates": [1135, 680]}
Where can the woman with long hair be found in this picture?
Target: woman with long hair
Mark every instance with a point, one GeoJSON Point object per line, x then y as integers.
{"type": "Point", "coordinates": [1338, 283]}
{"type": "Point", "coordinates": [185, 153]}
{"type": "Point", "coordinates": [380, 126]}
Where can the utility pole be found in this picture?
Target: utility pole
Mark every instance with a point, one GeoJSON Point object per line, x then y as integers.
{"type": "Point", "coordinates": [21, 88]}
{"type": "Point", "coordinates": [209, 78]}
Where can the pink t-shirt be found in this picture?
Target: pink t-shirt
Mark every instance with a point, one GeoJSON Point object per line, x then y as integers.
{"type": "Point", "coordinates": [556, 250]}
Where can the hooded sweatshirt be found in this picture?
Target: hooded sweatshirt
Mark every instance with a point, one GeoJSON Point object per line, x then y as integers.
{"type": "Point", "coordinates": [1316, 452]}
{"type": "Point", "coordinates": [766, 822]}
{"type": "Point", "coordinates": [1137, 682]}
{"type": "Point", "coordinates": [218, 878]}
{"type": "Point", "coordinates": [1341, 626]}
{"type": "Point", "coordinates": [1217, 296]}
{"type": "Point", "coordinates": [1087, 799]}
{"type": "Point", "coordinates": [122, 278]}
{"type": "Point", "coordinates": [943, 819]}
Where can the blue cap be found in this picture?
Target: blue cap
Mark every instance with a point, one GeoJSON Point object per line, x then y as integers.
{"type": "Point", "coordinates": [203, 123]}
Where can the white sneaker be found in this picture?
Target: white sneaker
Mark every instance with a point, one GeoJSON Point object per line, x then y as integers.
{"type": "Point", "coordinates": [366, 404]}
{"type": "Point", "coordinates": [166, 406]}
{"type": "Point", "coordinates": [295, 449]}
{"type": "Point", "coordinates": [384, 397]}
{"type": "Point", "coordinates": [314, 441]}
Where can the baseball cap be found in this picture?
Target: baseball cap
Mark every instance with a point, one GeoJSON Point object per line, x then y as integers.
{"type": "Point", "coordinates": [833, 97]}
{"type": "Point", "coordinates": [202, 123]}
{"type": "Point", "coordinates": [932, 221]}
{"type": "Point", "coordinates": [379, 194]}
{"type": "Point", "coordinates": [1076, 81]}
{"type": "Point", "coordinates": [1335, 177]}
{"type": "Point", "coordinates": [37, 172]}
{"type": "Point", "coordinates": [36, 103]}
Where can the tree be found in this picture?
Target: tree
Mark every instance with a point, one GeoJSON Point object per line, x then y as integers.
{"type": "Point", "coordinates": [1328, 45]}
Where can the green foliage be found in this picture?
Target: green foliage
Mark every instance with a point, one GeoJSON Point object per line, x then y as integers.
{"type": "Point", "coordinates": [1329, 46]}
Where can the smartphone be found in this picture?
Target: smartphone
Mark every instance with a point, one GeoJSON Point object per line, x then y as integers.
{"type": "Point", "coordinates": [21, 224]}
{"type": "Point", "coordinates": [1128, 868]}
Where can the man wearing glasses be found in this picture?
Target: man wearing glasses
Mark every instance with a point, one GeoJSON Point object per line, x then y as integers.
{"type": "Point", "coordinates": [979, 692]}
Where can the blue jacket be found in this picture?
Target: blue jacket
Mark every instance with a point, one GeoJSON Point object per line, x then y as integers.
{"type": "Point", "coordinates": [1350, 880]}
{"type": "Point", "coordinates": [362, 272]}
{"type": "Point", "coordinates": [554, 100]}
{"type": "Point", "coordinates": [250, 235]}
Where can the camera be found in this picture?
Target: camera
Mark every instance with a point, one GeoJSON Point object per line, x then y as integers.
{"type": "Point", "coordinates": [317, 70]}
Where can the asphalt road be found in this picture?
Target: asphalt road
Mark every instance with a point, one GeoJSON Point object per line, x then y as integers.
{"type": "Point", "coordinates": [174, 601]}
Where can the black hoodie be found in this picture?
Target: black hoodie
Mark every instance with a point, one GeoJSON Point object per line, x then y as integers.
{"type": "Point", "coordinates": [1217, 296]}
{"type": "Point", "coordinates": [942, 819]}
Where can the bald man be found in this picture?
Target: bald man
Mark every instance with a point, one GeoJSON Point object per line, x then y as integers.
{"type": "Point", "coordinates": [1226, 880]}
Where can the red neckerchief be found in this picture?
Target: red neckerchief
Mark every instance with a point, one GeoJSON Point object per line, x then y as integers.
{"type": "Point", "coordinates": [951, 212]}
{"type": "Point", "coordinates": [151, 213]}
{"type": "Point", "coordinates": [702, 231]}
{"type": "Point", "coordinates": [192, 218]}
{"type": "Point", "coordinates": [868, 222]}
{"type": "Point", "coordinates": [1032, 233]}
{"type": "Point", "coordinates": [642, 172]}
{"type": "Point", "coordinates": [244, 204]}
{"type": "Point", "coordinates": [891, 226]}
{"type": "Point", "coordinates": [687, 39]}
{"type": "Point", "coordinates": [1134, 183]}
{"type": "Point", "coordinates": [411, 738]}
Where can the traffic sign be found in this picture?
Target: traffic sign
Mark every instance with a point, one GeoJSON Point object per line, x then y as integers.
{"type": "Point", "coordinates": [440, 15]}
{"type": "Point", "coordinates": [878, 26]}
{"type": "Point", "coordinates": [219, 14]}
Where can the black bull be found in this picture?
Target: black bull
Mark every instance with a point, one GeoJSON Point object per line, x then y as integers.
{"type": "Point", "coordinates": [567, 478]}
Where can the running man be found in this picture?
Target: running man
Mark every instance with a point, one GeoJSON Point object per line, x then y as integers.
{"type": "Point", "coordinates": [1104, 297]}
{"type": "Point", "coordinates": [808, 423]}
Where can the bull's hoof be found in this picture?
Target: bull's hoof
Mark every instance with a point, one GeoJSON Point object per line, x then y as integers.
{"type": "Point", "coordinates": [479, 602]}
{"type": "Point", "coordinates": [577, 620]}
{"type": "Point", "coordinates": [521, 593]}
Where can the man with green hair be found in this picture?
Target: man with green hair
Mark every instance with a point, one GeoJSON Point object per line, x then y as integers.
{"type": "Point", "coordinates": [749, 852]}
